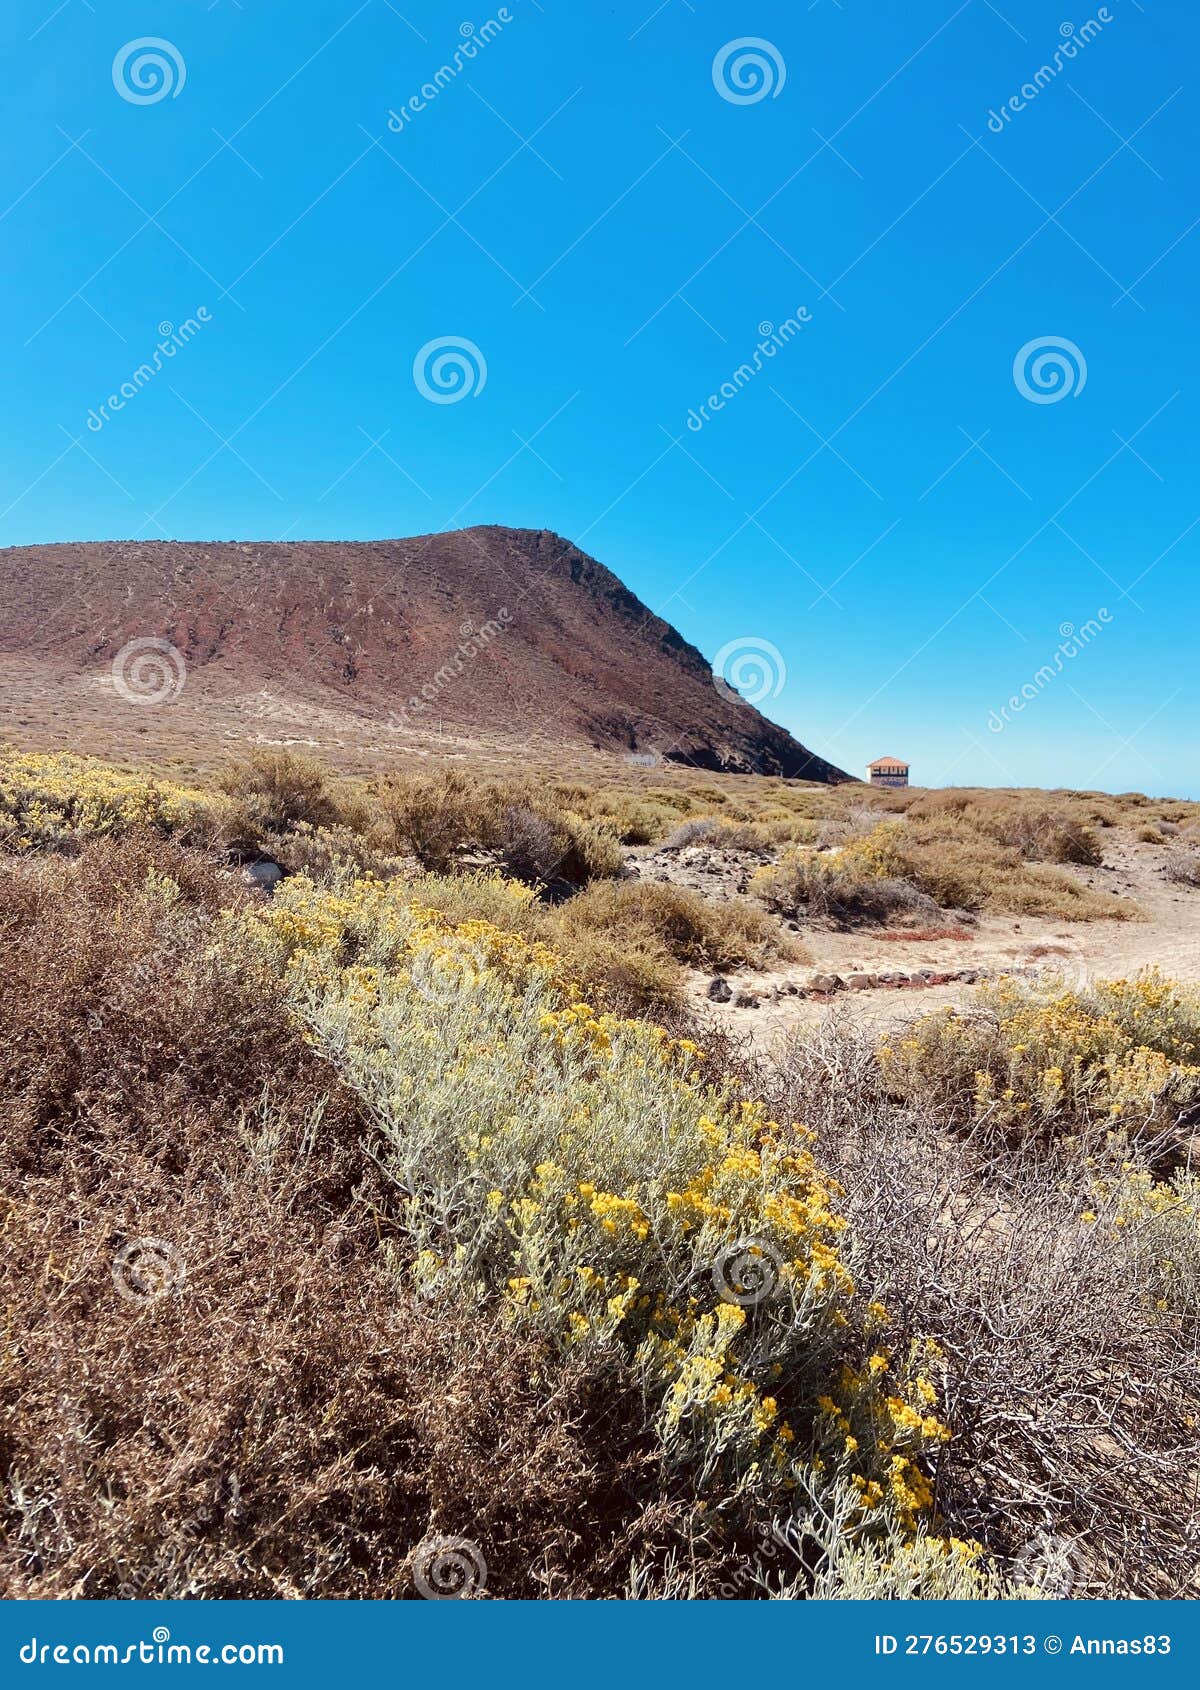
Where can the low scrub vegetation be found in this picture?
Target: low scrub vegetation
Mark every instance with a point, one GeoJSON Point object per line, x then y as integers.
{"type": "Point", "coordinates": [1058, 832]}
{"type": "Point", "coordinates": [827, 887]}
{"type": "Point", "coordinates": [406, 1205]}
{"type": "Point", "coordinates": [370, 1160]}
{"type": "Point", "coordinates": [1183, 867]}
{"type": "Point", "coordinates": [58, 802]}
{"type": "Point", "coordinates": [913, 869]}
{"type": "Point", "coordinates": [731, 934]}
{"type": "Point", "coordinates": [272, 792]}
{"type": "Point", "coordinates": [442, 818]}
{"type": "Point", "coordinates": [1051, 1062]}
{"type": "Point", "coordinates": [1061, 1286]}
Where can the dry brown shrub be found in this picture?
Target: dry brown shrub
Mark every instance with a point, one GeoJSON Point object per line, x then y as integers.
{"type": "Point", "coordinates": [432, 816]}
{"type": "Point", "coordinates": [827, 888]}
{"type": "Point", "coordinates": [1039, 830]}
{"type": "Point", "coordinates": [1071, 1389]}
{"type": "Point", "coordinates": [271, 791]}
{"type": "Point", "coordinates": [636, 818]}
{"type": "Point", "coordinates": [621, 975]}
{"type": "Point", "coordinates": [285, 1423]}
{"type": "Point", "coordinates": [440, 819]}
{"type": "Point", "coordinates": [285, 1419]}
{"type": "Point", "coordinates": [960, 867]}
{"type": "Point", "coordinates": [730, 934]}
{"type": "Point", "coordinates": [696, 831]}
{"type": "Point", "coordinates": [1183, 867]}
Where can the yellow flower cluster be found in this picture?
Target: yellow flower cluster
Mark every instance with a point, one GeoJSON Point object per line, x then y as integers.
{"type": "Point", "coordinates": [321, 936]}
{"type": "Point", "coordinates": [47, 801]}
{"type": "Point", "coordinates": [1121, 1050]}
{"type": "Point", "coordinates": [575, 1166]}
{"type": "Point", "coordinates": [891, 1424]}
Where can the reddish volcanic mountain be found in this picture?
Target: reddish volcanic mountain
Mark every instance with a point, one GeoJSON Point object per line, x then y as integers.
{"type": "Point", "coordinates": [486, 637]}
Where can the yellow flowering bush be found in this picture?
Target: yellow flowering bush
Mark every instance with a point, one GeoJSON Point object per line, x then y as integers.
{"type": "Point", "coordinates": [947, 861]}
{"type": "Point", "coordinates": [1121, 1052]}
{"type": "Point", "coordinates": [1156, 1226]}
{"type": "Point", "coordinates": [575, 1166]}
{"type": "Point", "coordinates": [959, 866]}
{"type": "Point", "coordinates": [59, 800]}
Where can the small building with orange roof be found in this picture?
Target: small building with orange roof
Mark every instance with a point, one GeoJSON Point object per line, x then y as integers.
{"type": "Point", "coordinates": [888, 771]}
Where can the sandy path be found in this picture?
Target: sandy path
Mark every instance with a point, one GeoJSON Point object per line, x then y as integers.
{"type": "Point", "coordinates": [1168, 938]}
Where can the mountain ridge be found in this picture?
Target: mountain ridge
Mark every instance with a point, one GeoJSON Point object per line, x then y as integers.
{"type": "Point", "coordinates": [490, 633]}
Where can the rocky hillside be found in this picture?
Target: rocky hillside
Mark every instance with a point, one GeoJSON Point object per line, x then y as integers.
{"type": "Point", "coordinates": [485, 636]}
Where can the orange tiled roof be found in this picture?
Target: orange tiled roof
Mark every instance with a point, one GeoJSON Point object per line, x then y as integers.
{"type": "Point", "coordinates": [888, 763]}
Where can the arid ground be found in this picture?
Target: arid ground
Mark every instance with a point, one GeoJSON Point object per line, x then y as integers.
{"type": "Point", "coordinates": [485, 1111]}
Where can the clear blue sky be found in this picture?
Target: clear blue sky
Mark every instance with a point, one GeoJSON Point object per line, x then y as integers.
{"type": "Point", "coordinates": [584, 203]}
